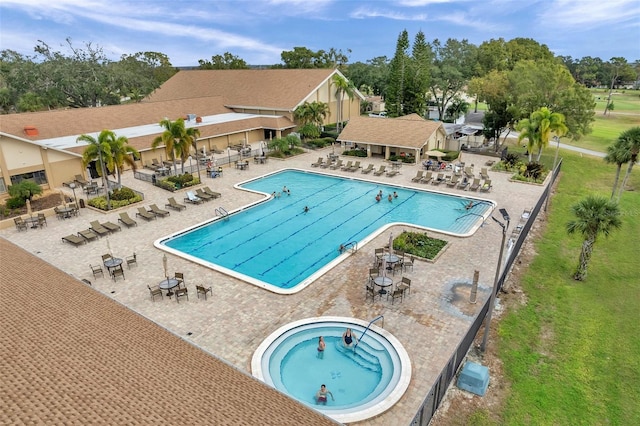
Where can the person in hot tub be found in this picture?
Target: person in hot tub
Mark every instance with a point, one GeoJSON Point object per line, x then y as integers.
{"type": "Point", "coordinates": [321, 395]}
{"type": "Point", "coordinates": [348, 339]}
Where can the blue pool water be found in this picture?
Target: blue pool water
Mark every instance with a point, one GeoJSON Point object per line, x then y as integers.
{"type": "Point", "coordinates": [364, 383]}
{"type": "Point", "coordinates": [278, 245]}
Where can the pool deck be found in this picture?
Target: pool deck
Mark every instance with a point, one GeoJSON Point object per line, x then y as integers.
{"type": "Point", "coordinates": [430, 322]}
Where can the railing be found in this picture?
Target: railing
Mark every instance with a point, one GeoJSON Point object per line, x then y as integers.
{"type": "Point", "coordinates": [353, 245]}
{"type": "Point", "coordinates": [439, 389]}
{"type": "Point", "coordinates": [367, 329]}
{"type": "Point", "coordinates": [220, 211]}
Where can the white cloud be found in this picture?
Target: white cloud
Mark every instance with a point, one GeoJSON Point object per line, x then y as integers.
{"type": "Point", "coordinates": [363, 13]}
{"type": "Point", "coordinates": [590, 13]}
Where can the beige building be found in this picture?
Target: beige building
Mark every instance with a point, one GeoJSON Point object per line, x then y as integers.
{"type": "Point", "coordinates": [410, 135]}
{"type": "Point", "coordinates": [229, 107]}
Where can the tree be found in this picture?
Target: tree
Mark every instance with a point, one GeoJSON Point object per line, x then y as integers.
{"type": "Point", "coordinates": [394, 98]}
{"type": "Point", "coordinates": [175, 140]}
{"type": "Point", "coordinates": [25, 190]}
{"type": "Point", "coordinates": [122, 153]}
{"type": "Point", "coordinates": [302, 57]}
{"type": "Point", "coordinates": [311, 113]}
{"type": "Point", "coordinates": [618, 154]}
{"type": "Point", "coordinates": [595, 215]}
{"type": "Point", "coordinates": [417, 77]}
{"type": "Point", "coordinates": [140, 74]}
{"type": "Point", "coordinates": [226, 61]}
{"type": "Point", "coordinates": [343, 87]}
{"type": "Point", "coordinates": [99, 150]}
{"type": "Point", "coordinates": [631, 138]}
{"type": "Point", "coordinates": [618, 71]}
{"type": "Point", "coordinates": [539, 127]}
{"type": "Point", "coordinates": [374, 73]}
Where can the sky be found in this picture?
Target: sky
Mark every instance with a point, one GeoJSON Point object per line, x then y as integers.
{"type": "Point", "coordinates": [258, 31]}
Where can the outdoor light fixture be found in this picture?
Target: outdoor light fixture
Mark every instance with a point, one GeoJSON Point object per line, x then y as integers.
{"type": "Point", "coordinates": [494, 289]}
{"type": "Point", "coordinates": [73, 188]}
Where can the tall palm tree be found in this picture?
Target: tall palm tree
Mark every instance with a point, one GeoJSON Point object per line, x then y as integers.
{"type": "Point", "coordinates": [312, 113]}
{"type": "Point", "coordinates": [632, 139]}
{"type": "Point", "coordinates": [121, 153]}
{"type": "Point", "coordinates": [174, 139]}
{"type": "Point", "coordinates": [99, 150]}
{"type": "Point", "coordinates": [343, 87]}
{"type": "Point", "coordinates": [595, 215]}
{"type": "Point", "coordinates": [539, 127]}
{"type": "Point", "coordinates": [618, 154]}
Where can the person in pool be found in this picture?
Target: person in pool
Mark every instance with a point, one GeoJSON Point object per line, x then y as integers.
{"type": "Point", "coordinates": [321, 395]}
{"type": "Point", "coordinates": [348, 339]}
{"type": "Point", "coordinates": [321, 346]}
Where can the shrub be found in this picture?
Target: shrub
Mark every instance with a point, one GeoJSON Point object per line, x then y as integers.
{"type": "Point", "coordinates": [16, 202]}
{"type": "Point", "coordinates": [418, 244]}
{"type": "Point", "coordinates": [329, 134]}
{"type": "Point", "coordinates": [404, 158]}
{"type": "Point", "coordinates": [123, 193]}
{"type": "Point", "coordinates": [101, 202]}
{"type": "Point", "coordinates": [355, 153]}
{"type": "Point", "coordinates": [25, 190]}
{"type": "Point", "coordinates": [172, 183]}
{"type": "Point", "coordinates": [533, 170]}
{"type": "Point", "coordinates": [319, 143]}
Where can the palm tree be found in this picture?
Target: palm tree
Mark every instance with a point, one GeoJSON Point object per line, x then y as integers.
{"type": "Point", "coordinates": [595, 215]}
{"type": "Point", "coordinates": [539, 127]}
{"type": "Point", "coordinates": [312, 113]}
{"type": "Point", "coordinates": [122, 153]}
{"type": "Point", "coordinates": [618, 154]}
{"type": "Point", "coordinates": [632, 141]}
{"type": "Point", "coordinates": [99, 150]}
{"type": "Point", "coordinates": [343, 87]}
{"type": "Point", "coordinates": [176, 143]}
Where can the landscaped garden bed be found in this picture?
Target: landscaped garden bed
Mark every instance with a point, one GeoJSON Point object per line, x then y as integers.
{"type": "Point", "coordinates": [419, 244]}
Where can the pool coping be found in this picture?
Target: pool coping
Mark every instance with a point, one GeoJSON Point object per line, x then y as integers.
{"type": "Point", "coordinates": [159, 243]}
{"type": "Point", "coordinates": [393, 397]}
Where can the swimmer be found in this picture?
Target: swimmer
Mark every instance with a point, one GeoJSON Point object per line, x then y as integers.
{"type": "Point", "coordinates": [306, 209]}
{"type": "Point", "coordinates": [342, 248]}
{"type": "Point", "coordinates": [321, 395]}
{"type": "Point", "coordinates": [390, 198]}
{"type": "Point", "coordinates": [469, 206]}
{"type": "Point", "coordinates": [378, 198]}
{"type": "Point", "coordinates": [274, 194]}
{"type": "Point", "coordinates": [380, 193]}
{"type": "Point", "coordinates": [395, 194]}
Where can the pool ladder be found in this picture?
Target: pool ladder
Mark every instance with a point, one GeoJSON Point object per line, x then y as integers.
{"type": "Point", "coordinates": [379, 317]}
{"type": "Point", "coordinates": [220, 211]}
{"type": "Point", "coordinates": [351, 245]}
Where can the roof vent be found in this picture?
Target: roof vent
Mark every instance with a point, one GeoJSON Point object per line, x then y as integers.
{"type": "Point", "coordinates": [198, 119]}
{"type": "Point", "coordinates": [191, 117]}
{"type": "Point", "coordinates": [31, 130]}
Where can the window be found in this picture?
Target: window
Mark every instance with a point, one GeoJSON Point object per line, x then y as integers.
{"type": "Point", "coordinates": [38, 177]}
{"type": "Point", "coordinates": [3, 187]}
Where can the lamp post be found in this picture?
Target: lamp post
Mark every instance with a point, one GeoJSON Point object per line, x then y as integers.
{"type": "Point", "coordinates": [494, 289]}
{"type": "Point", "coordinates": [73, 188]}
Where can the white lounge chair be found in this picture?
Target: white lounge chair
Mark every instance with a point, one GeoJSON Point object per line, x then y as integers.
{"type": "Point", "coordinates": [192, 198]}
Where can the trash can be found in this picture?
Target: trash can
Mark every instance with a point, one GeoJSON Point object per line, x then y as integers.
{"type": "Point", "coordinates": [82, 206]}
{"type": "Point", "coordinates": [153, 179]}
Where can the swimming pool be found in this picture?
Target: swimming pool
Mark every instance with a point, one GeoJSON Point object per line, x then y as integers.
{"type": "Point", "coordinates": [364, 383]}
{"type": "Point", "coordinates": [277, 245]}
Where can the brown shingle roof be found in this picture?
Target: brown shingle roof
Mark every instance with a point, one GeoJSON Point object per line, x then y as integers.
{"type": "Point", "coordinates": [71, 355]}
{"type": "Point", "coordinates": [281, 89]}
{"type": "Point", "coordinates": [410, 131]}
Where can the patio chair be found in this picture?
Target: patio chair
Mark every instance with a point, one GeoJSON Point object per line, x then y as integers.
{"type": "Point", "coordinates": [158, 211]}
{"type": "Point", "coordinates": [318, 163]}
{"type": "Point", "coordinates": [486, 186]}
{"type": "Point", "coordinates": [42, 220]}
{"type": "Point", "coordinates": [208, 191]}
{"type": "Point", "coordinates": [155, 163]}
{"type": "Point", "coordinates": [373, 274]}
{"type": "Point", "coordinates": [368, 170]}
{"type": "Point", "coordinates": [112, 227]}
{"type": "Point", "coordinates": [117, 272]}
{"type": "Point", "coordinates": [392, 173]}
{"type": "Point", "coordinates": [99, 229]}
{"type": "Point", "coordinates": [155, 291]}
{"type": "Point", "coordinates": [88, 235]}
{"type": "Point", "coordinates": [86, 281]}
{"type": "Point", "coordinates": [468, 173]}
{"type": "Point", "coordinates": [427, 177]}
{"type": "Point", "coordinates": [179, 276]}
{"type": "Point", "coordinates": [73, 239]}
{"type": "Point", "coordinates": [463, 183]}
{"type": "Point", "coordinates": [106, 257]}
{"type": "Point", "coordinates": [405, 285]}
{"type": "Point", "coordinates": [396, 293]}
{"type": "Point", "coordinates": [338, 165]}
{"type": "Point", "coordinates": [380, 171]}
{"type": "Point", "coordinates": [355, 167]}
{"type": "Point", "coordinates": [82, 181]}
{"type": "Point", "coordinates": [200, 289]}
{"type": "Point", "coordinates": [21, 225]}
{"type": "Point", "coordinates": [409, 263]}
{"type": "Point", "coordinates": [192, 198]}
{"type": "Point", "coordinates": [438, 180]}
{"type": "Point", "coordinates": [173, 204]}
{"type": "Point", "coordinates": [483, 173]}
{"type": "Point", "coordinates": [145, 214]}
{"type": "Point", "coordinates": [418, 177]}
{"type": "Point", "coordinates": [474, 185]}
{"type": "Point", "coordinates": [96, 270]}
{"type": "Point", "coordinates": [453, 182]}
{"type": "Point", "coordinates": [181, 292]}
{"type": "Point", "coordinates": [203, 195]}
{"type": "Point", "coordinates": [124, 218]}
{"type": "Point", "coordinates": [371, 292]}
{"type": "Point", "coordinates": [131, 260]}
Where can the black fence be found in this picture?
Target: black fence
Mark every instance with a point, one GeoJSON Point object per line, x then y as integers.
{"type": "Point", "coordinates": [439, 389]}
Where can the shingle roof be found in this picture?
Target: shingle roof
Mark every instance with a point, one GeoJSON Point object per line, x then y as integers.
{"type": "Point", "coordinates": [281, 89]}
{"type": "Point", "coordinates": [71, 355]}
{"type": "Point", "coordinates": [411, 131]}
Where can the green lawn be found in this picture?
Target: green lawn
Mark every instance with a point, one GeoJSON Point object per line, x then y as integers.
{"type": "Point", "coordinates": [572, 353]}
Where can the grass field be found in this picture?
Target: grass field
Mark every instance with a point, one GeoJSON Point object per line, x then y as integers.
{"type": "Point", "coordinates": [572, 353]}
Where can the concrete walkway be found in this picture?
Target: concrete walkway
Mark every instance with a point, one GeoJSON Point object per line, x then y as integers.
{"type": "Point", "coordinates": [232, 323]}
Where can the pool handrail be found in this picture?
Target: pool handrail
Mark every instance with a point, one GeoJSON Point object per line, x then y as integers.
{"type": "Point", "coordinates": [366, 329]}
{"type": "Point", "coordinates": [347, 246]}
{"type": "Point", "coordinates": [220, 211]}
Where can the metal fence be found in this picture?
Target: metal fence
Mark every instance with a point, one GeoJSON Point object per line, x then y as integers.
{"type": "Point", "coordinates": [439, 389]}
